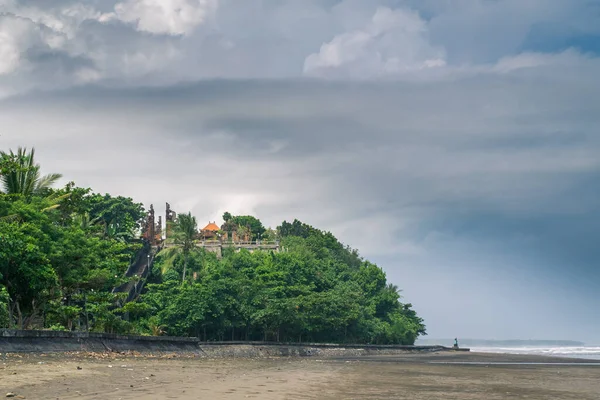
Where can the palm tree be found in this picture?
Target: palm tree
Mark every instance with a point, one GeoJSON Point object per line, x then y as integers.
{"type": "Point", "coordinates": [85, 221]}
{"type": "Point", "coordinates": [185, 230]}
{"type": "Point", "coordinates": [26, 178]}
{"type": "Point", "coordinates": [112, 230]}
{"type": "Point", "coordinates": [390, 287]}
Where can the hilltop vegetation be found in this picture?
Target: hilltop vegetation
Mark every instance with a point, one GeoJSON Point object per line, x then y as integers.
{"type": "Point", "coordinates": [62, 251]}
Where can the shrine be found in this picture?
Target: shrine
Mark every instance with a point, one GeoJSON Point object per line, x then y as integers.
{"type": "Point", "coordinates": [210, 231]}
{"type": "Point", "coordinates": [212, 237]}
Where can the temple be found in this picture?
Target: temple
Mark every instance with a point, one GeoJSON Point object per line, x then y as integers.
{"type": "Point", "coordinates": [152, 231]}
{"type": "Point", "coordinates": [212, 237]}
{"type": "Point", "coordinates": [210, 231]}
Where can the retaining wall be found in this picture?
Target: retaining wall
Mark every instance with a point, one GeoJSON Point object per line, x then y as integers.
{"type": "Point", "coordinates": [16, 341]}
{"type": "Point", "coordinates": [261, 349]}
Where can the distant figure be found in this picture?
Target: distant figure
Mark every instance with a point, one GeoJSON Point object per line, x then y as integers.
{"type": "Point", "coordinates": [455, 343]}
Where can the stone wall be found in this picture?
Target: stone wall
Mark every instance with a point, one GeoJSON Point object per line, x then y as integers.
{"type": "Point", "coordinates": [15, 341]}
{"type": "Point", "coordinates": [257, 350]}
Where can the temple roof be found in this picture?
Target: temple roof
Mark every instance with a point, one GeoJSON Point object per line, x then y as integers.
{"type": "Point", "coordinates": [211, 227]}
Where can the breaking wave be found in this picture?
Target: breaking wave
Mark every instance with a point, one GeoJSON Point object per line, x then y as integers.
{"type": "Point", "coordinates": [586, 352]}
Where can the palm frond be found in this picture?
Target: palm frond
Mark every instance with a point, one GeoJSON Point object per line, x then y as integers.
{"type": "Point", "coordinates": [9, 218]}
{"type": "Point", "coordinates": [54, 201]}
{"type": "Point", "coordinates": [46, 182]}
{"type": "Point", "coordinates": [168, 257]}
{"type": "Point", "coordinates": [25, 177]}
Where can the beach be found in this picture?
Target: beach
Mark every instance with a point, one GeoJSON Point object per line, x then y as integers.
{"type": "Point", "coordinates": [444, 375]}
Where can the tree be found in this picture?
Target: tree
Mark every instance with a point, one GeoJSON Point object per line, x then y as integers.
{"type": "Point", "coordinates": [4, 320]}
{"type": "Point", "coordinates": [25, 270]}
{"type": "Point", "coordinates": [21, 175]}
{"type": "Point", "coordinates": [185, 231]}
{"type": "Point", "coordinates": [120, 216]}
{"type": "Point", "coordinates": [253, 224]}
{"type": "Point", "coordinates": [8, 163]}
{"type": "Point", "coordinates": [270, 235]}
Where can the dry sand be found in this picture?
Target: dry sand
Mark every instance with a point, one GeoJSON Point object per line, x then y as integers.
{"type": "Point", "coordinates": [110, 376]}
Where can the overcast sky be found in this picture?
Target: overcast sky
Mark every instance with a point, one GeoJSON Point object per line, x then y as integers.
{"type": "Point", "coordinates": [454, 142]}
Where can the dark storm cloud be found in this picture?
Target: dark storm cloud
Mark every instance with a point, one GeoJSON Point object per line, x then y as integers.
{"type": "Point", "coordinates": [410, 144]}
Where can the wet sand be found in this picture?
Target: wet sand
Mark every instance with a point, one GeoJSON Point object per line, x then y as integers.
{"type": "Point", "coordinates": [411, 376]}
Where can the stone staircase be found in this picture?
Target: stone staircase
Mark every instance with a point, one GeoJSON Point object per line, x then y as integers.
{"type": "Point", "coordinates": [140, 268]}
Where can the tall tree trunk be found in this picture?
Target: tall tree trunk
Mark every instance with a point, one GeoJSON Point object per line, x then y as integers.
{"type": "Point", "coordinates": [11, 316]}
{"type": "Point", "coordinates": [185, 262]}
{"type": "Point", "coordinates": [87, 319]}
{"type": "Point", "coordinates": [20, 315]}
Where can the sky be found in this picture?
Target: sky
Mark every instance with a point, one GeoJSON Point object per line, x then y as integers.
{"type": "Point", "coordinates": [456, 143]}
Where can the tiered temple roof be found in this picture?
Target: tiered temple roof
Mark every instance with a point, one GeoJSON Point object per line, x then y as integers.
{"type": "Point", "coordinates": [211, 227]}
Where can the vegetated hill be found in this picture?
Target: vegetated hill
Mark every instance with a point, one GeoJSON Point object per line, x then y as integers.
{"type": "Point", "coordinates": [62, 251]}
{"type": "Point", "coordinates": [315, 289]}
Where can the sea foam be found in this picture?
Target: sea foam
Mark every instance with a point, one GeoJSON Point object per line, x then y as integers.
{"type": "Point", "coordinates": [585, 352]}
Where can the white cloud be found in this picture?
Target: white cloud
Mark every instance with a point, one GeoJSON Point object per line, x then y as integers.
{"type": "Point", "coordinates": [13, 32]}
{"type": "Point", "coordinates": [17, 35]}
{"type": "Point", "coordinates": [394, 41]}
{"type": "Point", "coordinates": [150, 42]}
{"type": "Point", "coordinates": [62, 18]}
{"type": "Point", "coordinates": [173, 17]}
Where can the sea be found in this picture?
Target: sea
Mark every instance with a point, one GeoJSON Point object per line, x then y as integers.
{"type": "Point", "coordinates": [553, 348]}
{"type": "Point", "coordinates": [583, 352]}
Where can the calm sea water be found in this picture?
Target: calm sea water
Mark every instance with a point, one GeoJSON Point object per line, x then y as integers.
{"type": "Point", "coordinates": [585, 352]}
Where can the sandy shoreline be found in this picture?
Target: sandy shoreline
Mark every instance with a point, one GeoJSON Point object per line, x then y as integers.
{"type": "Point", "coordinates": [410, 376]}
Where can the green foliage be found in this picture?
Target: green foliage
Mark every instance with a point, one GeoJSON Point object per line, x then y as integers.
{"type": "Point", "coordinates": [111, 217]}
{"type": "Point", "coordinates": [119, 216]}
{"type": "Point", "coordinates": [57, 264]}
{"type": "Point", "coordinates": [62, 251]}
{"type": "Point", "coordinates": [3, 307]}
{"type": "Point", "coordinates": [317, 290]}
{"type": "Point", "coordinates": [21, 175]}
{"type": "Point", "coordinates": [9, 163]}
{"type": "Point", "coordinates": [57, 327]}
{"type": "Point", "coordinates": [243, 224]}
{"type": "Point", "coordinates": [25, 268]}
{"type": "Point", "coordinates": [183, 239]}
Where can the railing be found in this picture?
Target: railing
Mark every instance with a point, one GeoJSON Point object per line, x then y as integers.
{"type": "Point", "coordinates": [239, 243]}
{"type": "Point", "coordinates": [217, 243]}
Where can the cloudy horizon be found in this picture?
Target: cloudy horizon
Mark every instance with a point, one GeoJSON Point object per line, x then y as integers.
{"type": "Point", "coordinates": [454, 143]}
